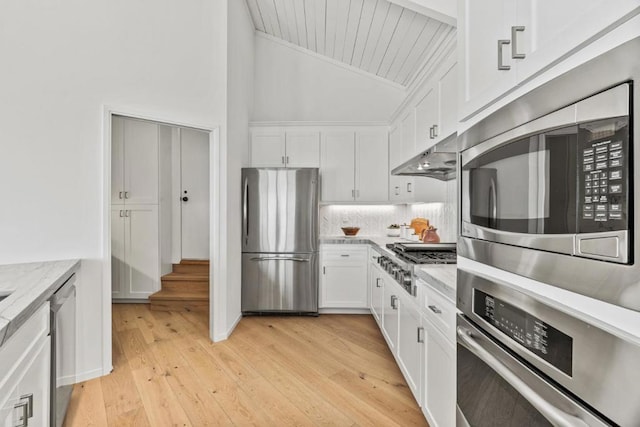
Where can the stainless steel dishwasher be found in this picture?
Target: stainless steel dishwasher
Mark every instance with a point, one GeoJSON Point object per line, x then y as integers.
{"type": "Point", "coordinates": [63, 349]}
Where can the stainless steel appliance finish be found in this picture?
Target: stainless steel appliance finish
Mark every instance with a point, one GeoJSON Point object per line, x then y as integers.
{"type": "Point", "coordinates": [437, 162]}
{"type": "Point", "coordinates": [425, 253]}
{"type": "Point", "coordinates": [513, 349]}
{"type": "Point", "coordinates": [280, 240]}
{"type": "Point", "coordinates": [573, 260]}
{"type": "Point", "coordinates": [63, 349]}
{"type": "Point", "coordinates": [400, 271]}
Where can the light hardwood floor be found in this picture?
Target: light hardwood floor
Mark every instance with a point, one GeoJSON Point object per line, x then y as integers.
{"type": "Point", "coordinates": [273, 371]}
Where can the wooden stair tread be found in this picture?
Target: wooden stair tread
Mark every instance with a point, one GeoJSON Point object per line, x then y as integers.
{"type": "Point", "coordinates": [180, 295]}
{"type": "Point", "coordinates": [185, 277]}
{"type": "Point", "coordinates": [195, 262]}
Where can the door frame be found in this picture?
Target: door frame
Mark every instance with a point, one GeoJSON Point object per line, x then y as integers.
{"type": "Point", "coordinates": [217, 217]}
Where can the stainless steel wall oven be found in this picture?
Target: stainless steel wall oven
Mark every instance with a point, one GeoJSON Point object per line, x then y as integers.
{"type": "Point", "coordinates": [521, 362]}
{"type": "Point", "coordinates": [548, 185]}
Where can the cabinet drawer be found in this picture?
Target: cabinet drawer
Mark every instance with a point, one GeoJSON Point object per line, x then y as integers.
{"type": "Point", "coordinates": [440, 311]}
{"type": "Point", "coordinates": [347, 255]}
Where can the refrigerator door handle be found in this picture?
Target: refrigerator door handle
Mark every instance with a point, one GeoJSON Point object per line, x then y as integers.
{"type": "Point", "coordinates": [279, 258]}
{"type": "Point", "coordinates": [245, 211]}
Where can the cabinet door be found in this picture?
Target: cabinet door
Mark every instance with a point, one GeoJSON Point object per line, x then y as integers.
{"type": "Point", "coordinates": [447, 104]}
{"type": "Point", "coordinates": [481, 25]}
{"type": "Point", "coordinates": [409, 136]}
{"type": "Point", "coordinates": [9, 398]}
{"type": "Point", "coordinates": [372, 166]}
{"type": "Point", "coordinates": [427, 120]}
{"type": "Point", "coordinates": [553, 30]}
{"type": "Point", "coordinates": [410, 347]}
{"type": "Point", "coordinates": [34, 386]}
{"type": "Point", "coordinates": [400, 187]}
{"type": "Point", "coordinates": [344, 279]}
{"type": "Point", "coordinates": [267, 148]}
{"type": "Point", "coordinates": [337, 166]}
{"type": "Point", "coordinates": [140, 162]}
{"type": "Point", "coordinates": [142, 251]}
{"type": "Point", "coordinates": [390, 314]}
{"type": "Point", "coordinates": [118, 255]}
{"type": "Point", "coordinates": [377, 290]}
{"type": "Point", "coordinates": [302, 149]}
{"type": "Point", "coordinates": [440, 390]}
{"type": "Point", "coordinates": [117, 160]}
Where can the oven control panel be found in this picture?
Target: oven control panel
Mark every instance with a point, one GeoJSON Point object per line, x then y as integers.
{"type": "Point", "coordinates": [603, 175]}
{"type": "Point", "coordinates": [540, 338]}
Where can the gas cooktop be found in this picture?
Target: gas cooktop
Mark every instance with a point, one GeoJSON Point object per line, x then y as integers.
{"type": "Point", "coordinates": [425, 253]}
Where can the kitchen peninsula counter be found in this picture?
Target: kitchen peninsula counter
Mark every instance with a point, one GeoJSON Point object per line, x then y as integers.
{"type": "Point", "coordinates": [30, 285]}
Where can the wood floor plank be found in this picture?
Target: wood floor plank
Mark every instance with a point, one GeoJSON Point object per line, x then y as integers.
{"type": "Point", "coordinates": [161, 404]}
{"type": "Point", "coordinates": [333, 370]}
{"type": "Point", "coordinates": [86, 408]}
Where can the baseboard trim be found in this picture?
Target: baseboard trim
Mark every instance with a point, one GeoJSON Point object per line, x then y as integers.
{"type": "Point", "coordinates": [90, 375]}
{"type": "Point", "coordinates": [226, 335]}
{"type": "Point", "coordinates": [344, 311]}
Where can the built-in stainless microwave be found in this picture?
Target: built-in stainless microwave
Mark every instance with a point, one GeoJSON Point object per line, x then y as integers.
{"type": "Point", "coordinates": [559, 183]}
{"type": "Point", "coordinates": [548, 184]}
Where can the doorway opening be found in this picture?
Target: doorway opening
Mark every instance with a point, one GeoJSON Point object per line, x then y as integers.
{"type": "Point", "coordinates": [161, 210]}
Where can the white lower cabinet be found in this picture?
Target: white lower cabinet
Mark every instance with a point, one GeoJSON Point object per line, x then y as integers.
{"type": "Point", "coordinates": [439, 398]}
{"type": "Point", "coordinates": [390, 313]}
{"type": "Point", "coordinates": [376, 288]}
{"type": "Point", "coordinates": [24, 381]}
{"type": "Point", "coordinates": [135, 251]}
{"type": "Point", "coordinates": [343, 277]}
{"type": "Point", "coordinates": [411, 338]}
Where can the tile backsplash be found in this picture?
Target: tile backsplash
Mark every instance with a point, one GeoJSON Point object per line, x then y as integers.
{"type": "Point", "coordinates": [373, 220]}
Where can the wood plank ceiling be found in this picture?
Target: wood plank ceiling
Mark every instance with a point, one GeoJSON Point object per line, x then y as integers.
{"type": "Point", "coordinates": [375, 36]}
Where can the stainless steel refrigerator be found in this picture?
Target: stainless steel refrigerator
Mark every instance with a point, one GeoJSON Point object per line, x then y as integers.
{"type": "Point", "coordinates": [280, 240]}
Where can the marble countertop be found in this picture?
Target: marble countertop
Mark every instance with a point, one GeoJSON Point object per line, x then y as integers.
{"type": "Point", "coordinates": [440, 276]}
{"type": "Point", "coordinates": [30, 285]}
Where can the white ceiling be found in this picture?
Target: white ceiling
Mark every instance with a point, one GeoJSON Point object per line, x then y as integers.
{"type": "Point", "coordinates": [376, 36]}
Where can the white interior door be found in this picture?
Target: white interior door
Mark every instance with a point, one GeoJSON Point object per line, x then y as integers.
{"type": "Point", "coordinates": [194, 155]}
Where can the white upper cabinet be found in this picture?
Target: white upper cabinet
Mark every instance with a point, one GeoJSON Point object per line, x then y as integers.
{"type": "Point", "coordinates": [354, 166]}
{"type": "Point", "coordinates": [409, 135]}
{"type": "Point", "coordinates": [400, 187]}
{"type": "Point", "coordinates": [285, 148]}
{"type": "Point", "coordinates": [302, 149]}
{"type": "Point", "coordinates": [372, 166]}
{"type": "Point", "coordinates": [484, 58]}
{"type": "Point", "coordinates": [134, 162]}
{"type": "Point", "coordinates": [447, 104]}
{"type": "Point", "coordinates": [426, 120]}
{"type": "Point", "coordinates": [268, 148]}
{"type": "Point", "coordinates": [504, 43]}
{"type": "Point", "coordinates": [337, 166]}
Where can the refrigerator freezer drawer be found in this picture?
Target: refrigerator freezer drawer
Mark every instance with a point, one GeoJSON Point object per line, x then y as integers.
{"type": "Point", "coordinates": [279, 283]}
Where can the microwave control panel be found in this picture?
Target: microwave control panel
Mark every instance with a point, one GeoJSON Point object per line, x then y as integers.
{"type": "Point", "coordinates": [603, 182]}
{"type": "Point", "coordinates": [533, 334]}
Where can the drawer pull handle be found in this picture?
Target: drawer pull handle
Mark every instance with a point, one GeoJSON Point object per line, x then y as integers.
{"type": "Point", "coordinates": [344, 255]}
{"type": "Point", "coordinates": [501, 65]}
{"type": "Point", "coordinates": [435, 309]}
{"type": "Point", "coordinates": [24, 419]}
{"type": "Point", "coordinates": [420, 334]}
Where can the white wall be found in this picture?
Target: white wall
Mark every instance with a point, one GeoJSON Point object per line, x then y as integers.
{"type": "Point", "coordinates": [240, 69]}
{"type": "Point", "coordinates": [294, 86]}
{"type": "Point", "coordinates": [61, 62]}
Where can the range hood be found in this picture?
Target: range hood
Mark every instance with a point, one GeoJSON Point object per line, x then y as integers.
{"type": "Point", "coordinates": [437, 162]}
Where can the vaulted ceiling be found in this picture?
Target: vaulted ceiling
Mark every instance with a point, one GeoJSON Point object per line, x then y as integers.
{"type": "Point", "coordinates": [376, 36]}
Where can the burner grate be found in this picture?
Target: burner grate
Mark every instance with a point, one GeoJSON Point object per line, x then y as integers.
{"type": "Point", "coordinates": [426, 256]}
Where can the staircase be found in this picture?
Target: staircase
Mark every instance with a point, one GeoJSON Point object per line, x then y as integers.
{"type": "Point", "coordinates": [185, 289]}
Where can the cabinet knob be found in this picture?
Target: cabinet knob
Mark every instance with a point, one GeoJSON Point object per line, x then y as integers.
{"type": "Point", "coordinates": [185, 199]}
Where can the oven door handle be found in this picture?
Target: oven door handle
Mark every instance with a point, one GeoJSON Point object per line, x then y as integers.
{"type": "Point", "coordinates": [556, 416]}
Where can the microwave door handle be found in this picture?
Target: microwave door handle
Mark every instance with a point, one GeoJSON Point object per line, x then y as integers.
{"type": "Point", "coordinates": [552, 413]}
{"type": "Point", "coordinates": [493, 204]}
